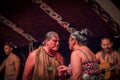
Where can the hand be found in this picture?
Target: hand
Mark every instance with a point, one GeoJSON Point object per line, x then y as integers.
{"type": "Point", "coordinates": [62, 68]}
{"type": "Point", "coordinates": [62, 71]}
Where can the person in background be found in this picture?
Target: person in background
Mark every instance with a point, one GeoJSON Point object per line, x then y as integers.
{"type": "Point", "coordinates": [109, 58]}
{"type": "Point", "coordinates": [11, 64]}
{"type": "Point", "coordinates": [83, 65]}
{"type": "Point", "coordinates": [43, 61]}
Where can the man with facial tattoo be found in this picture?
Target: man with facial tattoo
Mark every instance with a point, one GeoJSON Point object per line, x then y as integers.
{"type": "Point", "coordinates": [109, 59]}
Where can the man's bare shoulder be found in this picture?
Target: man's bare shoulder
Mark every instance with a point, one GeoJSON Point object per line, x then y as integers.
{"type": "Point", "coordinates": [31, 54]}
{"type": "Point", "coordinates": [31, 58]}
{"type": "Point", "coordinates": [99, 53]}
{"type": "Point", "coordinates": [14, 57]}
{"type": "Point", "coordinates": [35, 51]}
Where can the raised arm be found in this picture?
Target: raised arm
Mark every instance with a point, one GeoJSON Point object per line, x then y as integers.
{"type": "Point", "coordinates": [30, 62]}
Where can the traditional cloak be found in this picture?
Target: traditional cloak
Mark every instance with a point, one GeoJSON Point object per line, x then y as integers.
{"type": "Point", "coordinates": [45, 66]}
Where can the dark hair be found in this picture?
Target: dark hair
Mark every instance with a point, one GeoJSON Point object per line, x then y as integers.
{"type": "Point", "coordinates": [81, 36]}
{"type": "Point", "coordinates": [10, 44]}
{"type": "Point", "coordinates": [106, 37]}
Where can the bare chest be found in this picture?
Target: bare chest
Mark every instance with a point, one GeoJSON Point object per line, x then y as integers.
{"type": "Point", "coordinates": [9, 62]}
{"type": "Point", "coordinates": [107, 58]}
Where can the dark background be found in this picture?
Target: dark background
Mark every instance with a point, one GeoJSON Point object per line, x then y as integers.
{"type": "Point", "coordinates": [29, 17]}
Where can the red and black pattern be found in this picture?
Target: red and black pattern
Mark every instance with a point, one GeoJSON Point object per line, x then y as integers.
{"type": "Point", "coordinates": [90, 68]}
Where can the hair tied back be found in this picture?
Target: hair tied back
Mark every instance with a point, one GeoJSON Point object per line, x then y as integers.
{"type": "Point", "coordinates": [86, 32]}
